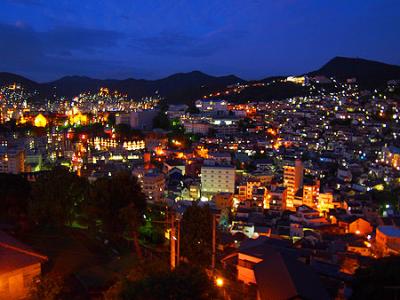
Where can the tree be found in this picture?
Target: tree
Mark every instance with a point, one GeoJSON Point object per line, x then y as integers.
{"type": "Point", "coordinates": [381, 280]}
{"type": "Point", "coordinates": [119, 204]}
{"type": "Point", "coordinates": [56, 196]}
{"type": "Point", "coordinates": [47, 288]}
{"type": "Point", "coordinates": [153, 229]}
{"type": "Point", "coordinates": [161, 121]}
{"type": "Point", "coordinates": [196, 234]}
{"type": "Point", "coordinates": [15, 191]}
{"type": "Point", "coordinates": [185, 282]}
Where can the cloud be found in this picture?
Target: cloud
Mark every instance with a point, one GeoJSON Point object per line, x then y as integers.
{"type": "Point", "coordinates": [61, 50]}
{"type": "Point", "coordinates": [180, 44]}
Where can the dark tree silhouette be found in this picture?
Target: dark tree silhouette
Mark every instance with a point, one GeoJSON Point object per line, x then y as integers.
{"type": "Point", "coordinates": [381, 280]}
{"type": "Point", "coordinates": [119, 204]}
{"type": "Point", "coordinates": [56, 196]}
{"type": "Point", "coordinates": [196, 234]}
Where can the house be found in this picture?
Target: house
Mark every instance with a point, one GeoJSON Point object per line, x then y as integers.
{"type": "Point", "coordinates": [387, 240]}
{"type": "Point", "coordinates": [355, 225]}
{"type": "Point", "coordinates": [308, 216]}
{"type": "Point", "coordinates": [281, 277]}
{"type": "Point", "coordinates": [223, 200]}
{"type": "Point", "coordinates": [19, 264]}
{"type": "Point", "coordinates": [271, 266]}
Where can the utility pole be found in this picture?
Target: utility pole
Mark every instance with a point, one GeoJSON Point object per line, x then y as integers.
{"type": "Point", "coordinates": [178, 243]}
{"type": "Point", "coordinates": [213, 242]}
{"type": "Point", "coordinates": [172, 238]}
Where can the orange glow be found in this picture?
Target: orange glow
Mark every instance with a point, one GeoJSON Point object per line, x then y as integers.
{"type": "Point", "coordinates": [40, 121]}
{"type": "Point", "coordinates": [159, 151]}
{"type": "Point", "coordinates": [272, 131]}
{"type": "Point", "coordinates": [219, 282]}
{"type": "Point", "coordinates": [180, 155]}
{"type": "Point", "coordinates": [202, 152]}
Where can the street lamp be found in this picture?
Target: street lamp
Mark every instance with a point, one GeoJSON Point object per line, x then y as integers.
{"type": "Point", "coordinates": [219, 282]}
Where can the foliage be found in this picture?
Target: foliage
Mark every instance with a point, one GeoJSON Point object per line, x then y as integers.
{"type": "Point", "coordinates": [185, 282]}
{"type": "Point", "coordinates": [378, 281]}
{"type": "Point", "coordinates": [118, 203]}
{"type": "Point", "coordinates": [225, 218]}
{"type": "Point", "coordinates": [196, 234]}
{"type": "Point", "coordinates": [14, 197]}
{"type": "Point", "coordinates": [47, 288]}
{"type": "Point", "coordinates": [161, 121]}
{"type": "Point", "coordinates": [153, 229]}
{"type": "Point", "coordinates": [56, 195]}
{"type": "Point", "coordinates": [126, 131]}
{"type": "Point", "coordinates": [390, 197]}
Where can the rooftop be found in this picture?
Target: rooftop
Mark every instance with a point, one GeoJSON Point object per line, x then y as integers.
{"type": "Point", "coordinates": [390, 231]}
{"type": "Point", "coordinates": [18, 254]}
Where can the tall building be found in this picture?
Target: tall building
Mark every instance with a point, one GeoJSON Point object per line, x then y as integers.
{"type": "Point", "coordinates": [141, 119]}
{"type": "Point", "coordinates": [152, 183]}
{"type": "Point", "coordinates": [154, 186]}
{"type": "Point", "coordinates": [12, 161]}
{"type": "Point", "coordinates": [292, 180]}
{"type": "Point", "coordinates": [325, 202]}
{"type": "Point", "coordinates": [216, 179]}
{"type": "Point", "coordinates": [311, 192]}
{"type": "Point", "coordinates": [277, 198]}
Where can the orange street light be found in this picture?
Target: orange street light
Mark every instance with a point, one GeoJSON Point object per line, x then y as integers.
{"type": "Point", "coordinates": [219, 282]}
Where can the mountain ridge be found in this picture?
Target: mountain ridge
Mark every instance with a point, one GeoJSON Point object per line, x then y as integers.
{"type": "Point", "coordinates": [187, 86]}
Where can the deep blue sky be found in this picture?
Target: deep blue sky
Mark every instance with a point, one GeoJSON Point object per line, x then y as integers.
{"type": "Point", "coordinates": [47, 39]}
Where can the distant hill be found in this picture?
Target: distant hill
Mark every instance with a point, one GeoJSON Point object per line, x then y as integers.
{"type": "Point", "coordinates": [177, 88]}
{"type": "Point", "coordinates": [10, 78]}
{"type": "Point", "coordinates": [369, 74]}
{"type": "Point", "coordinates": [186, 87]}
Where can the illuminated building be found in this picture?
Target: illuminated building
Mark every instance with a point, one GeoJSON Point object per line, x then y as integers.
{"type": "Point", "coordinates": [391, 156]}
{"type": "Point", "coordinates": [40, 121]}
{"type": "Point", "coordinates": [277, 198]}
{"type": "Point", "coordinates": [325, 202]}
{"type": "Point", "coordinates": [275, 275]}
{"type": "Point", "coordinates": [100, 143]}
{"type": "Point", "coordinates": [293, 180]}
{"type": "Point", "coordinates": [355, 225]}
{"type": "Point", "coordinates": [216, 179]}
{"type": "Point", "coordinates": [197, 127]}
{"type": "Point", "coordinates": [387, 240]}
{"type": "Point", "coordinates": [251, 184]}
{"type": "Point", "coordinates": [310, 193]}
{"type": "Point", "coordinates": [19, 266]}
{"type": "Point", "coordinates": [12, 161]}
{"type": "Point", "coordinates": [140, 119]}
{"type": "Point", "coordinates": [308, 216]}
{"type": "Point", "coordinates": [211, 105]}
{"type": "Point", "coordinates": [223, 200]}
{"type": "Point", "coordinates": [78, 119]}
{"type": "Point", "coordinates": [152, 183]}
{"type": "Point", "coordinates": [297, 80]}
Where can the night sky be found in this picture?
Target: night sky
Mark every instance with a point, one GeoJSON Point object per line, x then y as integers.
{"type": "Point", "coordinates": [47, 39]}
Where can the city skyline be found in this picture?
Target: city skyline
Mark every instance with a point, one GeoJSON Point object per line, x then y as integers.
{"type": "Point", "coordinates": [154, 40]}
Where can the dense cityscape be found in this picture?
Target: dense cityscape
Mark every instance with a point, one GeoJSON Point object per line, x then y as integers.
{"type": "Point", "coordinates": [195, 186]}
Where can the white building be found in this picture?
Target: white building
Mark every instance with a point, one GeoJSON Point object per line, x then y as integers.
{"type": "Point", "coordinates": [141, 119]}
{"type": "Point", "coordinates": [212, 105]}
{"type": "Point", "coordinates": [217, 179]}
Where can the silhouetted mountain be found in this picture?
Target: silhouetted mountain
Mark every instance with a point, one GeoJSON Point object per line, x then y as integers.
{"type": "Point", "coordinates": [369, 74]}
{"type": "Point", "coordinates": [10, 78]}
{"type": "Point", "coordinates": [186, 87]}
{"type": "Point", "coordinates": [180, 87]}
